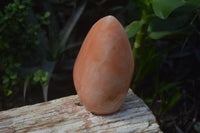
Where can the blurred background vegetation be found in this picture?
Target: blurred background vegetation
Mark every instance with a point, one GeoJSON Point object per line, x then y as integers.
{"type": "Point", "coordinates": [39, 42]}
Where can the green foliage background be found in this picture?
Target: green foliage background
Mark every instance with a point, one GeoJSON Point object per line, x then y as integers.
{"type": "Point", "coordinates": [18, 42]}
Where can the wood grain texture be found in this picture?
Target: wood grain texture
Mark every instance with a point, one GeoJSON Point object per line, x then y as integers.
{"type": "Point", "coordinates": [68, 115]}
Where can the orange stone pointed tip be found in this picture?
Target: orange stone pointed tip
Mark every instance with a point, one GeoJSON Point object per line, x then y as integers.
{"type": "Point", "coordinates": [104, 67]}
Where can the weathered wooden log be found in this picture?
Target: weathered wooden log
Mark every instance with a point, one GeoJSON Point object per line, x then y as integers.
{"type": "Point", "coordinates": [68, 115]}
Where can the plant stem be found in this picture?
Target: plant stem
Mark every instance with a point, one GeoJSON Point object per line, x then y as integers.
{"type": "Point", "coordinates": [140, 38]}
{"type": "Point", "coordinates": [140, 41]}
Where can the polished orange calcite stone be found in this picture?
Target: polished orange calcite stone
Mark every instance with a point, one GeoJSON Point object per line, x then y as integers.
{"type": "Point", "coordinates": [104, 67]}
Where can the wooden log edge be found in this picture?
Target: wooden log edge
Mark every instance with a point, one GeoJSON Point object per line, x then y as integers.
{"type": "Point", "coordinates": [68, 115]}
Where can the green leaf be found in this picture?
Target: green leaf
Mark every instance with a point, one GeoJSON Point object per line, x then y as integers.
{"type": "Point", "coordinates": [169, 86]}
{"type": "Point", "coordinates": [5, 80]}
{"type": "Point", "coordinates": [17, 64]}
{"type": "Point", "coordinates": [44, 79]}
{"type": "Point", "coordinates": [133, 28]}
{"type": "Point", "coordinates": [161, 34]}
{"type": "Point", "coordinates": [47, 67]}
{"type": "Point", "coordinates": [169, 24]}
{"type": "Point", "coordinates": [13, 76]}
{"type": "Point", "coordinates": [148, 100]}
{"type": "Point", "coordinates": [36, 78]}
{"type": "Point", "coordinates": [21, 6]}
{"type": "Point", "coordinates": [8, 92]}
{"type": "Point", "coordinates": [46, 74]}
{"type": "Point", "coordinates": [14, 82]}
{"type": "Point", "coordinates": [172, 100]}
{"type": "Point", "coordinates": [163, 8]}
{"type": "Point", "coordinates": [16, 2]}
{"type": "Point", "coordinates": [47, 14]}
{"type": "Point", "coordinates": [37, 42]}
{"type": "Point", "coordinates": [187, 8]}
{"type": "Point", "coordinates": [8, 71]}
{"type": "Point", "coordinates": [195, 3]}
{"type": "Point", "coordinates": [26, 1]}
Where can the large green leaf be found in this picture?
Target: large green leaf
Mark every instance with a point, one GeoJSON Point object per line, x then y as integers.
{"type": "Point", "coordinates": [133, 28]}
{"type": "Point", "coordinates": [176, 25]}
{"type": "Point", "coordinates": [169, 24]}
{"type": "Point", "coordinates": [195, 3]}
{"type": "Point", "coordinates": [162, 34]}
{"type": "Point", "coordinates": [187, 9]}
{"type": "Point", "coordinates": [163, 8]}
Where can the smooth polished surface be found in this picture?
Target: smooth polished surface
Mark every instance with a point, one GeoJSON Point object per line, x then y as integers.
{"type": "Point", "coordinates": [104, 67]}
